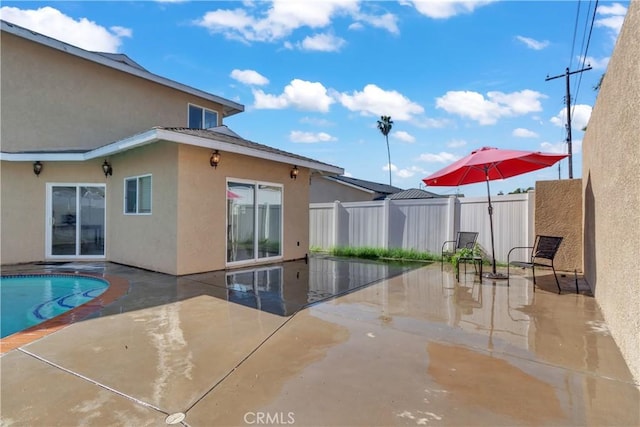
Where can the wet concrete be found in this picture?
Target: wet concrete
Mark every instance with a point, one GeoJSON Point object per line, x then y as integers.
{"type": "Point", "coordinates": [416, 348]}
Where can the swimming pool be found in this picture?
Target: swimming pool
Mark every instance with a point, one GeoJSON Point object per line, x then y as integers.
{"type": "Point", "coordinates": [27, 300]}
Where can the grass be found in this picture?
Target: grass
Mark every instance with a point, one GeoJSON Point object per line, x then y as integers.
{"type": "Point", "coordinates": [380, 253]}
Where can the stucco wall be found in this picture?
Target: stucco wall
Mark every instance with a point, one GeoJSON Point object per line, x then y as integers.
{"type": "Point", "coordinates": [611, 185]}
{"type": "Point", "coordinates": [75, 103]}
{"type": "Point", "coordinates": [23, 204]}
{"type": "Point", "coordinates": [201, 238]}
{"type": "Point", "coordinates": [324, 190]}
{"type": "Point", "coordinates": [147, 241]}
{"type": "Point", "coordinates": [558, 212]}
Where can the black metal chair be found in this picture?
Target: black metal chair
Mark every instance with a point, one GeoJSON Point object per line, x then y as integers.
{"type": "Point", "coordinates": [545, 248]}
{"type": "Point", "coordinates": [464, 239]}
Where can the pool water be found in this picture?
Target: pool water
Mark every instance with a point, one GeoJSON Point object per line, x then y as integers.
{"type": "Point", "coordinates": [29, 300]}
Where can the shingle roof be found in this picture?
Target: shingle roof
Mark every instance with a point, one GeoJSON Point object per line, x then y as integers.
{"type": "Point", "coordinates": [224, 134]}
{"type": "Point", "coordinates": [368, 185]}
{"type": "Point", "coordinates": [414, 193]}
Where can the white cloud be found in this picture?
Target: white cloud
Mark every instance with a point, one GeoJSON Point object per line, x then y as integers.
{"type": "Point", "coordinates": [410, 171]}
{"type": "Point", "coordinates": [386, 167]}
{"type": "Point", "coordinates": [310, 137]}
{"type": "Point", "coordinates": [347, 174]}
{"type": "Point", "coordinates": [249, 77]}
{"type": "Point", "coordinates": [562, 147]}
{"type": "Point", "coordinates": [429, 123]}
{"type": "Point", "coordinates": [82, 33]}
{"type": "Point", "coordinates": [442, 9]}
{"type": "Point", "coordinates": [456, 143]}
{"type": "Point", "coordinates": [300, 94]}
{"type": "Point", "coordinates": [615, 18]}
{"type": "Point", "coordinates": [388, 22]}
{"type": "Point", "coordinates": [374, 101]}
{"type": "Point", "coordinates": [487, 111]}
{"type": "Point", "coordinates": [596, 64]}
{"type": "Point", "coordinates": [403, 136]}
{"type": "Point", "coordinates": [580, 115]}
{"type": "Point", "coordinates": [323, 43]}
{"type": "Point", "coordinates": [276, 22]}
{"type": "Point", "coordinates": [442, 157]}
{"type": "Point", "coordinates": [532, 43]}
{"type": "Point", "coordinates": [524, 133]}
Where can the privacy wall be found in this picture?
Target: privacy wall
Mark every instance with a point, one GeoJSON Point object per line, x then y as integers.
{"type": "Point", "coordinates": [423, 224]}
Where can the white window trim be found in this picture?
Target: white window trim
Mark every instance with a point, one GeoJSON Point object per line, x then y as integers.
{"type": "Point", "coordinates": [124, 195]}
{"type": "Point", "coordinates": [203, 111]}
{"type": "Point", "coordinates": [255, 224]}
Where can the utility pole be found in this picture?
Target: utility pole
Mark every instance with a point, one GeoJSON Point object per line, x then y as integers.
{"type": "Point", "coordinates": [568, 97]}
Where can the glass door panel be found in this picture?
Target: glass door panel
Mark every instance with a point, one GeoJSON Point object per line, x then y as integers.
{"type": "Point", "coordinates": [63, 224]}
{"type": "Point", "coordinates": [92, 216]}
{"type": "Point", "coordinates": [240, 222]}
{"type": "Point", "coordinates": [269, 221]}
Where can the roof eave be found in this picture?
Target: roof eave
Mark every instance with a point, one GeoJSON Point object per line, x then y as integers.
{"type": "Point", "coordinates": [155, 135]}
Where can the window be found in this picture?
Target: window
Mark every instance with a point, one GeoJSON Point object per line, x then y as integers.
{"type": "Point", "coordinates": [202, 118]}
{"type": "Point", "coordinates": [137, 195]}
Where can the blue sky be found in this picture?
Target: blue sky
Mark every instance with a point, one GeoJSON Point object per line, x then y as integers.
{"type": "Point", "coordinates": [316, 75]}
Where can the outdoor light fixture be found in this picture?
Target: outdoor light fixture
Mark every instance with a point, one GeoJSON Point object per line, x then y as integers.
{"type": "Point", "coordinates": [294, 172]}
{"type": "Point", "coordinates": [215, 159]}
{"type": "Point", "coordinates": [107, 169]}
{"type": "Point", "coordinates": [37, 167]}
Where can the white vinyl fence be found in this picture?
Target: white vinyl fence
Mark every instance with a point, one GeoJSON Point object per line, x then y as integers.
{"type": "Point", "coordinates": [423, 224]}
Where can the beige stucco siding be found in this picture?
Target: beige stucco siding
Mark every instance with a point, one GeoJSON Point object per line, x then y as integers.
{"type": "Point", "coordinates": [53, 100]}
{"type": "Point", "coordinates": [611, 185]}
{"type": "Point", "coordinates": [147, 241]}
{"type": "Point", "coordinates": [324, 190]}
{"type": "Point", "coordinates": [202, 206]}
{"type": "Point", "coordinates": [559, 213]}
{"type": "Point", "coordinates": [23, 204]}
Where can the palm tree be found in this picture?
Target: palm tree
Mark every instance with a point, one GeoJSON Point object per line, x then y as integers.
{"type": "Point", "coordinates": [384, 124]}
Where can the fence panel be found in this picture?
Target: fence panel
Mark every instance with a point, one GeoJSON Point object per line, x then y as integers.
{"type": "Point", "coordinates": [419, 224]}
{"type": "Point", "coordinates": [321, 225]}
{"type": "Point", "coordinates": [510, 222]}
{"type": "Point", "coordinates": [424, 224]}
{"type": "Point", "coordinates": [365, 224]}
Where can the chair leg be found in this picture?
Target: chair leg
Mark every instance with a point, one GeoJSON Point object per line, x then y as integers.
{"type": "Point", "coordinates": [556, 276]}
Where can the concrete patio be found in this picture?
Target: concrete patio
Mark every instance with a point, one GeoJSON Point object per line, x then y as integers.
{"type": "Point", "coordinates": [418, 348]}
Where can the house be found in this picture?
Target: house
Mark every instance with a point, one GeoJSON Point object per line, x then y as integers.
{"type": "Point", "coordinates": [327, 188]}
{"type": "Point", "coordinates": [103, 160]}
{"type": "Point", "coordinates": [412, 194]}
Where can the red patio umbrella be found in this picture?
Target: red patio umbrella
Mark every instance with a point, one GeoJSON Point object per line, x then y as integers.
{"type": "Point", "coordinates": [489, 163]}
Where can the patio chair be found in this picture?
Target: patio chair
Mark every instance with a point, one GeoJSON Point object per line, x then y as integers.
{"type": "Point", "coordinates": [464, 239]}
{"type": "Point", "coordinates": [544, 249]}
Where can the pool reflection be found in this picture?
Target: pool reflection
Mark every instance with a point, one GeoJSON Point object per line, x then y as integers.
{"type": "Point", "coordinates": [288, 287]}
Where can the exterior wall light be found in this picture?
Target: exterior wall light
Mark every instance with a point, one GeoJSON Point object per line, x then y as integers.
{"type": "Point", "coordinates": [107, 169]}
{"type": "Point", "coordinates": [294, 172]}
{"type": "Point", "coordinates": [214, 159]}
{"type": "Point", "coordinates": [37, 167]}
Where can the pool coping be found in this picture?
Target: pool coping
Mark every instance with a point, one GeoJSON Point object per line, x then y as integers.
{"type": "Point", "coordinates": [118, 287]}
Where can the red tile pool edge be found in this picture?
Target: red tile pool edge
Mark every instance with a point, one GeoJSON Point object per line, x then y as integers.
{"type": "Point", "coordinates": [117, 288]}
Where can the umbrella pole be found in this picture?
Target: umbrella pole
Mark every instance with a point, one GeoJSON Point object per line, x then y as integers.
{"type": "Point", "coordinates": [493, 274]}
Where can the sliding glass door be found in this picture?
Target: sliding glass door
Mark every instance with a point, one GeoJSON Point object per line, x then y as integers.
{"type": "Point", "coordinates": [254, 221]}
{"type": "Point", "coordinates": [75, 220]}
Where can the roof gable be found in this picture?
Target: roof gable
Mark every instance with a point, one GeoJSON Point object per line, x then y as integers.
{"type": "Point", "coordinates": [119, 62]}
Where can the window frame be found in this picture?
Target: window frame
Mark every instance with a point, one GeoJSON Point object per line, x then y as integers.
{"type": "Point", "coordinates": [203, 111]}
{"type": "Point", "coordinates": [137, 179]}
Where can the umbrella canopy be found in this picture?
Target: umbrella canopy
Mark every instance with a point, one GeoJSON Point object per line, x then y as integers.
{"type": "Point", "coordinates": [489, 163]}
